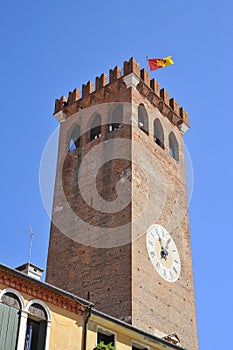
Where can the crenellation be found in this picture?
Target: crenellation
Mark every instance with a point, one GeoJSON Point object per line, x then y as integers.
{"type": "Point", "coordinates": [174, 105]}
{"type": "Point", "coordinates": [59, 104]}
{"type": "Point", "coordinates": [165, 96]}
{"type": "Point", "coordinates": [131, 66]}
{"type": "Point", "coordinates": [184, 115]}
{"type": "Point", "coordinates": [149, 88]}
{"type": "Point", "coordinates": [145, 76]}
{"type": "Point", "coordinates": [73, 96]}
{"type": "Point", "coordinates": [70, 98]}
{"type": "Point", "coordinates": [87, 89]}
{"type": "Point", "coordinates": [101, 81]}
{"type": "Point", "coordinates": [114, 74]}
{"type": "Point", "coordinates": [155, 86]}
{"type": "Point", "coordinates": [76, 95]}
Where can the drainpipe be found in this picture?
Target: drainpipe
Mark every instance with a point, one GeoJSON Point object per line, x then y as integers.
{"type": "Point", "coordinates": [84, 343]}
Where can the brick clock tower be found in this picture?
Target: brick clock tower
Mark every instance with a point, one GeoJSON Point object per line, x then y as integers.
{"type": "Point", "coordinates": [120, 231]}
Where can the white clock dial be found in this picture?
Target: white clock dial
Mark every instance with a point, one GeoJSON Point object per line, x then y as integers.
{"type": "Point", "coordinates": [163, 253]}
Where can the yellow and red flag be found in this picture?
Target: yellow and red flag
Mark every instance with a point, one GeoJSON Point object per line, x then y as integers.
{"type": "Point", "coordinates": [156, 63]}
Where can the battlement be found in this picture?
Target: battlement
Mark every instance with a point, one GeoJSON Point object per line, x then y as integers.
{"type": "Point", "coordinates": [150, 88]}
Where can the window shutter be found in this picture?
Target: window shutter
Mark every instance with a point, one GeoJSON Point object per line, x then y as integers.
{"type": "Point", "coordinates": [9, 323]}
{"type": "Point", "coordinates": [41, 335]}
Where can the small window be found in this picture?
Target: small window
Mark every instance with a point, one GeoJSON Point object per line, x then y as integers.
{"type": "Point", "coordinates": [173, 147]}
{"type": "Point", "coordinates": [142, 118]}
{"type": "Point", "coordinates": [75, 139]}
{"type": "Point", "coordinates": [95, 131]}
{"type": "Point", "coordinates": [105, 337]}
{"type": "Point", "coordinates": [72, 146]}
{"type": "Point", "coordinates": [116, 119]}
{"type": "Point", "coordinates": [158, 133]}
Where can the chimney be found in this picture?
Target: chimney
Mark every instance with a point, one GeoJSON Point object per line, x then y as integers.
{"type": "Point", "coordinates": [31, 270]}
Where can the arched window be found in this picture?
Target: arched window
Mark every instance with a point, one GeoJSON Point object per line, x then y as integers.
{"type": "Point", "coordinates": [158, 133]}
{"type": "Point", "coordinates": [95, 131]}
{"type": "Point", "coordinates": [173, 146]}
{"type": "Point", "coordinates": [10, 307]}
{"type": "Point", "coordinates": [142, 118]}
{"type": "Point", "coordinates": [116, 120]}
{"type": "Point", "coordinates": [74, 140]}
{"type": "Point", "coordinates": [35, 338]}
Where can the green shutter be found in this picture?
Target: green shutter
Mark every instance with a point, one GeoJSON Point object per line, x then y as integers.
{"type": "Point", "coordinates": [41, 335]}
{"type": "Point", "coordinates": [9, 323]}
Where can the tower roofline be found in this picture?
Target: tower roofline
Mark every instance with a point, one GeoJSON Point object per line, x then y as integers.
{"type": "Point", "coordinates": [149, 88]}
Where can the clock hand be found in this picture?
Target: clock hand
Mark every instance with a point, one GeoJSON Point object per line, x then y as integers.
{"type": "Point", "coordinates": [160, 241]}
{"type": "Point", "coordinates": [164, 251]}
{"type": "Point", "coordinates": [168, 242]}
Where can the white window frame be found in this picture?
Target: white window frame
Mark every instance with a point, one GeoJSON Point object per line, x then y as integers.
{"type": "Point", "coordinates": [20, 340]}
{"type": "Point", "coordinates": [139, 345]}
{"type": "Point", "coordinates": [24, 317]}
{"type": "Point", "coordinates": [41, 303]}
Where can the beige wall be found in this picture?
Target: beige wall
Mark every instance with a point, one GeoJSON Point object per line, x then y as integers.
{"type": "Point", "coordinates": [124, 336]}
{"type": "Point", "coordinates": [66, 330]}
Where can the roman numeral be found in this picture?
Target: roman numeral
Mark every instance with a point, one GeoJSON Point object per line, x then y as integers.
{"type": "Point", "coordinates": [175, 269]}
{"type": "Point", "coordinates": [152, 254]}
{"type": "Point", "coordinates": [158, 265]}
{"type": "Point", "coordinates": [151, 233]}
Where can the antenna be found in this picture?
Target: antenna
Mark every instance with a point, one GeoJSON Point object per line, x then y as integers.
{"type": "Point", "coordinates": [31, 234]}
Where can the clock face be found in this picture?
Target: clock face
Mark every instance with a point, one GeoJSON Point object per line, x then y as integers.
{"type": "Point", "coordinates": [163, 253]}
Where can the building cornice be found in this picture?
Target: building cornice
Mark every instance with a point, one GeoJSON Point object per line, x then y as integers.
{"type": "Point", "coordinates": [40, 290]}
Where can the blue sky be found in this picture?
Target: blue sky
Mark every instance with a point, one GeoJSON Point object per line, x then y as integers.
{"type": "Point", "coordinates": [50, 47]}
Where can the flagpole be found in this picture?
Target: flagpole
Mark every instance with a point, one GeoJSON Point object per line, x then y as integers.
{"type": "Point", "coordinates": [147, 63]}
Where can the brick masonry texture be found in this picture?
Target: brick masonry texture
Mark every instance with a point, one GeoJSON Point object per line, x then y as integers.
{"type": "Point", "coordinates": [121, 280]}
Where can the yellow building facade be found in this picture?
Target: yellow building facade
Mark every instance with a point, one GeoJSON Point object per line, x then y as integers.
{"type": "Point", "coordinates": [34, 315]}
{"type": "Point", "coordinates": [37, 316]}
{"type": "Point", "coordinates": [122, 335]}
